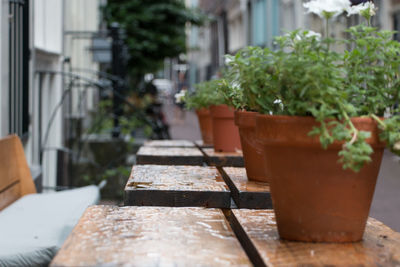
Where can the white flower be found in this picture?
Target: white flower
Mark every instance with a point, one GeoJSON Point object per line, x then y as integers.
{"type": "Point", "coordinates": [313, 34]}
{"type": "Point", "coordinates": [327, 8]}
{"type": "Point", "coordinates": [397, 146]}
{"type": "Point", "coordinates": [309, 34]}
{"type": "Point", "coordinates": [179, 97]}
{"type": "Point", "coordinates": [358, 9]}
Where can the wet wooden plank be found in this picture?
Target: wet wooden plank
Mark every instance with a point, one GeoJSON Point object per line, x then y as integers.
{"type": "Point", "coordinates": [200, 144]}
{"type": "Point", "coordinates": [223, 159]}
{"type": "Point", "coordinates": [246, 194]}
{"type": "Point", "coordinates": [151, 236]}
{"type": "Point", "coordinates": [257, 231]}
{"type": "Point", "coordinates": [176, 186]}
{"type": "Point", "coordinates": [169, 143]}
{"type": "Point", "coordinates": [170, 156]}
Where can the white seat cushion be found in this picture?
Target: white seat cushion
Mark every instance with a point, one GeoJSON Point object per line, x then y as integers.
{"type": "Point", "coordinates": [34, 227]}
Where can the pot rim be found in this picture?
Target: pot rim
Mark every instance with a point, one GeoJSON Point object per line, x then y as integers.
{"type": "Point", "coordinates": [203, 112]}
{"type": "Point", "coordinates": [311, 118]}
{"type": "Point", "coordinates": [245, 119]}
{"type": "Point", "coordinates": [222, 112]}
{"type": "Point", "coordinates": [298, 127]}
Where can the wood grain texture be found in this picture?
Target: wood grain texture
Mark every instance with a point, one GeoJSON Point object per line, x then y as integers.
{"type": "Point", "coordinates": [246, 194]}
{"type": "Point", "coordinates": [170, 156]}
{"type": "Point", "coordinates": [14, 170]}
{"type": "Point", "coordinates": [200, 144]}
{"type": "Point", "coordinates": [9, 195]}
{"type": "Point", "coordinates": [151, 236]}
{"type": "Point", "coordinates": [223, 159]}
{"type": "Point", "coordinates": [169, 143]}
{"type": "Point", "coordinates": [176, 186]}
{"type": "Point", "coordinates": [258, 234]}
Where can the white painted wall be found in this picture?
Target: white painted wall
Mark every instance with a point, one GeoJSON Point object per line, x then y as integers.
{"type": "Point", "coordinates": [81, 16]}
{"type": "Point", "coordinates": [292, 15]}
{"type": "Point", "coordinates": [48, 25]}
{"type": "Point", "coordinates": [236, 28]}
{"type": "Point", "coordinates": [47, 50]}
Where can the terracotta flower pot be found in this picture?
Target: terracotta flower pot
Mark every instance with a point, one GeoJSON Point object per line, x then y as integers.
{"type": "Point", "coordinates": [205, 123]}
{"type": "Point", "coordinates": [225, 133]}
{"type": "Point", "coordinates": [252, 148]}
{"type": "Point", "coordinates": [314, 199]}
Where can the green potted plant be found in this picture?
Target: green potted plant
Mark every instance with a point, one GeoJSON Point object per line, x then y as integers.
{"type": "Point", "coordinates": [200, 102]}
{"type": "Point", "coordinates": [225, 134]}
{"type": "Point", "coordinates": [325, 120]}
{"type": "Point", "coordinates": [244, 76]}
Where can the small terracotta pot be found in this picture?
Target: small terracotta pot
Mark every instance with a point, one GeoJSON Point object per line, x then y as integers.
{"type": "Point", "coordinates": [252, 148]}
{"type": "Point", "coordinates": [314, 199]}
{"type": "Point", "coordinates": [205, 123]}
{"type": "Point", "coordinates": [225, 133]}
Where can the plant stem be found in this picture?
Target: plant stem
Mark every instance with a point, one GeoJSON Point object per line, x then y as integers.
{"type": "Point", "coordinates": [327, 32]}
{"type": "Point", "coordinates": [378, 120]}
{"type": "Point", "coordinates": [353, 128]}
{"type": "Point", "coordinates": [347, 118]}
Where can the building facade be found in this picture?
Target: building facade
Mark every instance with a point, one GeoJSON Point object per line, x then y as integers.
{"type": "Point", "coordinates": [234, 24]}
{"type": "Point", "coordinates": [33, 52]}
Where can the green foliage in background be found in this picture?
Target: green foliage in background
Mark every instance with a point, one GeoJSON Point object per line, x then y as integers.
{"type": "Point", "coordinates": [246, 73]}
{"type": "Point", "coordinates": [155, 30]}
{"type": "Point", "coordinates": [103, 121]}
{"type": "Point", "coordinates": [206, 94]}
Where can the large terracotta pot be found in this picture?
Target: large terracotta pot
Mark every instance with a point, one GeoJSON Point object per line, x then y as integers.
{"type": "Point", "coordinates": [205, 123]}
{"type": "Point", "coordinates": [314, 199]}
{"type": "Point", "coordinates": [252, 148]}
{"type": "Point", "coordinates": [225, 133]}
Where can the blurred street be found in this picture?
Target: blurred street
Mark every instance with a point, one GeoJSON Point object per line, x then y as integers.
{"type": "Point", "coordinates": [185, 127]}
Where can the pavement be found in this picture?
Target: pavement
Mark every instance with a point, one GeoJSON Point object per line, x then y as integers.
{"type": "Point", "coordinates": [386, 202]}
{"type": "Point", "coordinates": [183, 124]}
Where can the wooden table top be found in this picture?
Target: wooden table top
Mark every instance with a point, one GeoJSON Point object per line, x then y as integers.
{"type": "Point", "coordinates": [187, 178]}
{"type": "Point", "coordinates": [169, 155]}
{"type": "Point", "coordinates": [257, 230]}
{"type": "Point", "coordinates": [176, 186]}
{"type": "Point", "coordinates": [169, 143]}
{"type": "Point", "coordinates": [223, 159]}
{"type": "Point", "coordinates": [201, 144]}
{"type": "Point", "coordinates": [151, 236]}
{"type": "Point", "coordinates": [246, 194]}
{"type": "Point", "coordinates": [239, 178]}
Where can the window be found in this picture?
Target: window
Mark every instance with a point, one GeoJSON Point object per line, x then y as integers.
{"type": "Point", "coordinates": [396, 25]}
{"type": "Point", "coordinates": [259, 22]}
{"type": "Point", "coordinates": [19, 67]}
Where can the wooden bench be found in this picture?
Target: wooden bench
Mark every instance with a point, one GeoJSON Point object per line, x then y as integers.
{"type": "Point", "coordinates": [151, 236]}
{"type": "Point", "coordinates": [15, 177]}
{"type": "Point", "coordinates": [33, 226]}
